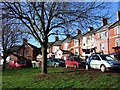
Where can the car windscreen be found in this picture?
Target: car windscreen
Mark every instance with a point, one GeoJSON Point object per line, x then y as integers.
{"type": "Point", "coordinates": [106, 57]}
{"type": "Point", "coordinates": [56, 60]}
{"type": "Point", "coordinates": [76, 59]}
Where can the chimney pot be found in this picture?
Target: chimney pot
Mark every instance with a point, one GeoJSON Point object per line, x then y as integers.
{"type": "Point", "coordinates": [78, 31]}
{"type": "Point", "coordinates": [104, 21]}
{"type": "Point", "coordinates": [24, 41]}
{"type": "Point", "coordinates": [56, 38]}
{"type": "Point", "coordinates": [90, 28]}
{"type": "Point", "coordinates": [67, 35]}
{"type": "Point", "coordinates": [118, 15]}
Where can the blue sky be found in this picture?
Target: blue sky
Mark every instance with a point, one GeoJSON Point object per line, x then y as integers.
{"type": "Point", "coordinates": [114, 8]}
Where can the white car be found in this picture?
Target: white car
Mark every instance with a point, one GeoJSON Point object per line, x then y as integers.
{"type": "Point", "coordinates": [102, 62]}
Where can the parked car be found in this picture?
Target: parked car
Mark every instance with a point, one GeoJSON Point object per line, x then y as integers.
{"type": "Point", "coordinates": [51, 62]}
{"type": "Point", "coordinates": [60, 61]}
{"type": "Point", "coordinates": [102, 62]}
{"type": "Point", "coordinates": [73, 62]}
{"type": "Point", "coordinates": [16, 64]}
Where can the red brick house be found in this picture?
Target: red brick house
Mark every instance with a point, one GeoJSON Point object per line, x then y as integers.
{"type": "Point", "coordinates": [26, 50]}
{"type": "Point", "coordinates": [114, 37]}
{"type": "Point", "coordinates": [108, 37]}
{"type": "Point", "coordinates": [65, 46]}
{"type": "Point", "coordinates": [75, 44]}
{"type": "Point", "coordinates": [102, 41]}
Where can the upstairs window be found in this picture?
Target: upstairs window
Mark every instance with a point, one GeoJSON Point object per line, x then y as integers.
{"type": "Point", "coordinates": [102, 35]}
{"type": "Point", "coordinates": [26, 53]}
{"type": "Point", "coordinates": [117, 42]}
{"type": "Point", "coordinates": [117, 30]}
{"type": "Point", "coordinates": [55, 48]}
{"type": "Point", "coordinates": [106, 34]}
{"type": "Point", "coordinates": [66, 46]}
{"type": "Point", "coordinates": [102, 46]}
{"type": "Point", "coordinates": [88, 39]}
{"type": "Point", "coordinates": [76, 43]}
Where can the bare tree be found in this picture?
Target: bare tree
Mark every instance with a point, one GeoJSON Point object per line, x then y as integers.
{"type": "Point", "coordinates": [10, 35]}
{"type": "Point", "coordinates": [43, 18]}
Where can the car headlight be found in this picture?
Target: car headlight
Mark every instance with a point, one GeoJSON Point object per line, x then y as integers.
{"type": "Point", "coordinates": [110, 63]}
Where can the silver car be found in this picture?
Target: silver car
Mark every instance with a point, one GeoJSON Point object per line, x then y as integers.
{"type": "Point", "coordinates": [102, 62]}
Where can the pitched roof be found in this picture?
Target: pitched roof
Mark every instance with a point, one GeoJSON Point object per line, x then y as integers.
{"type": "Point", "coordinates": [34, 47]}
{"type": "Point", "coordinates": [68, 39]}
{"type": "Point", "coordinates": [115, 24]}
{"type": "Point", "coordinates": [104, 27]}
{"type": "Point", "coordinates": [58, 43]}
{"type": "Point", "coordinates": [16, 48]}
{"type": "Point", "coordinates": [50, 43]}
{"type": "Point", "coordinates": [78, 36]}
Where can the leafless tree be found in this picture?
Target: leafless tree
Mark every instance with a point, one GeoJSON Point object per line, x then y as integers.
{"type": "Point", "coordinates": [43, 18]}
{"type": "Point", "coordinates": [11, 35]}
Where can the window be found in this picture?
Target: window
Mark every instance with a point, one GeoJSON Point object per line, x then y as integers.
{"type": "Point", "coordinates": [88, 39]}
{"type": "Point", "coordinates": [76, 43]}
{"type": "Point", "coordinates": [55, 48]}
{"type": "Point", "coordinates": [117, 42]}
{"type": "Point", "coordinates": [102, 35]}
{"type": "Point", "coordinates": [117, 30]}
{"type": "Point", "coordinates": [26, 53]}
{"type": "Point", "coordinates": [106, 34]}
{"type": "Point", "coordinates": [66, 46]}
{"type": "Point", "coordinates": [76, 52]}
{"type": "Point", "coordinates": [102, 46]}
{"type": "Point", "coordinates": [95, 57]}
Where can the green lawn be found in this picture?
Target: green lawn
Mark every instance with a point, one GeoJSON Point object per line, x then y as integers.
{"type": "Point", "coordinates": [58, 78]}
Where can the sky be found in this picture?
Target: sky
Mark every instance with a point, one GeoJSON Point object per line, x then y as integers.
{"type": "Point", "coordinates": [114, 8]}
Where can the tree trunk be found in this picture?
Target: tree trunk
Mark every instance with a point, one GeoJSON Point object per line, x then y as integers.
{"type": "Point", "coordinates": [5, 54]}
{"type": "Point", "coordinates": [44, 59]}
{"type": "Point", "coordinates": [4, 62]}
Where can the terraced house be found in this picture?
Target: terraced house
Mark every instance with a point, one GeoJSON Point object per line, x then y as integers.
{"type": "Point", "coordinates": [104, 39]}
{"type": "Point", "coordinates": [108, 37]}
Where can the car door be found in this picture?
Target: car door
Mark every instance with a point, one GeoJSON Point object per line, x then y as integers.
{"type": "Point", "coordinates": [49, 62]}
{"type": "Point", "coordinates": [95, 62]}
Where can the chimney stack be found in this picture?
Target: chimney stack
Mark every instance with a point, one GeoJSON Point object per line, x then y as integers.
{"type": "Point", "coordinates": [104, 21]}
{"type": "Point", "coordinates": [56, 38]}
{"type": "Point", "coordinates": [118, 15]}
{"type": "Point", "coordinates": [90, 28]}
{"type": "Point", "coordinates": [24, 41]}
{"type": "Point", "coordinates": [78, 32]}
{"type": "Point", "coordinates": [67, 35]}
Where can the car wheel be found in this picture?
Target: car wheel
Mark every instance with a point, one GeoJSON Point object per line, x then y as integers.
{"type": "Point", "coordinates": [87, 67]}
{"type": "Point", "coordinates": [55, 65]}
{"type": "Point", "coordinates": [66, 66]}
{"type": "Point", "coordinates": [103, 68]}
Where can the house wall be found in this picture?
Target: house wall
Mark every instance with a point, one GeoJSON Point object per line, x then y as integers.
{"type": "Point", "coordinates": [12, 57]}
{"type": "Point", "coordinates": [29, 53]}
{"type": "Point", "coordinates": [112, 39]}
{"type": "Point", "coordinates": [99, 41]}
{"type": "Point", "coordinates": [75, 48]}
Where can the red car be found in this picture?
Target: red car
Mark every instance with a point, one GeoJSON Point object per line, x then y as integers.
{"type": "Point", "coordinates": [16, 64]}
{"type": "Point", "coordinates": [74, 62]}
